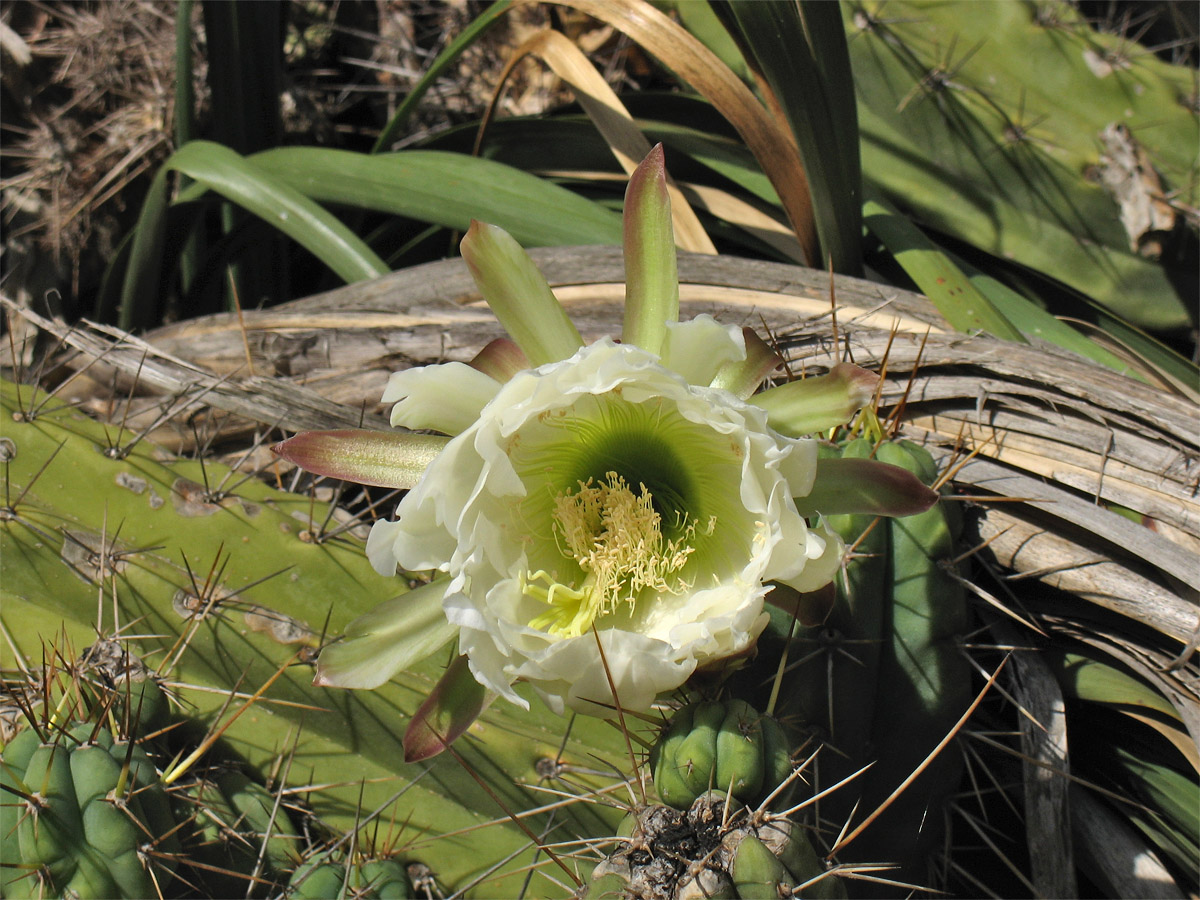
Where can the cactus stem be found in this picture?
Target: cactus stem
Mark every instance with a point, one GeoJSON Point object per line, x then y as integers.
{"type": "Point", "coordinates": [177, 772]}
{"type": "Point", "coordinates": [10, 506]}
{"type": "Point", "coordinates": [513, 817]}
{"type": "Point", "coordinates": [797, 772]}
{"type": "Point", "coordinates": [963, 719]}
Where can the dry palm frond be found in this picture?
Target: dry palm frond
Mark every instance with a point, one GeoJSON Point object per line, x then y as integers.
{"type": "Point", "coordinates": [1082, 482]}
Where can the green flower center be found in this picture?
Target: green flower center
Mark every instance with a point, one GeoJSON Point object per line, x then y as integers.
{"type": "Point", "coordinates": [615, 537]}
{"type": "Point", "coordinates": [628, 506]}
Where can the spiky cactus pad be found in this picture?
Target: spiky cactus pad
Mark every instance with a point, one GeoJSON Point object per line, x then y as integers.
{"type": "Point", "coordinates": [223, 586]}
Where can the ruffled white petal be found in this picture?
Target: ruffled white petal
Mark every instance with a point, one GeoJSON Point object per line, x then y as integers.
{"type": "Point", "coordinates": [572, 672]}
{"type": "Point", "coordinates": [446, 398]}
{"type": "Point", "coordinates": [696, 349]}
{"type": "Point", "coordinates": [824, 551]}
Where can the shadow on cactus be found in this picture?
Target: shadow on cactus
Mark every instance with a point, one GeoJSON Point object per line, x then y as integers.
{"type": "Point", "coordinates": [195, 581]}
{"type": "Point", "coordinates": [610, 517]}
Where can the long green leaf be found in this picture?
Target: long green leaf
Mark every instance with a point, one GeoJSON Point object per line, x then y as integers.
{"type": "Point", "coordinates": [213, 166]}
{"type": "Point", "coordinates": [445, 59]}
{"type": "Point", "coordinates": [800, 49]}
{"type": "Point", "coordinates": [704, 25]}
{"type": "Point", "coordinates": [1034, 322]}
{"type": "Point", "coordinates": [245, 73]}
{"type": "Point", "coordinates": [140, 289]}
{"type": "Point", "coordinates": [185, 126]}
{"type": "Point", "coordinates": [447, 188]}
{"type": "Point", "coordinates": [936, 275]}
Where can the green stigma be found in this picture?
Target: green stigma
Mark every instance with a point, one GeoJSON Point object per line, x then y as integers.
{"type": "Point", "coordinates": [615, 537]}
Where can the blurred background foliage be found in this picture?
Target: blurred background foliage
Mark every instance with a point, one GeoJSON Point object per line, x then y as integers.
{"type": "Point", "coordinates": [1012, 157]}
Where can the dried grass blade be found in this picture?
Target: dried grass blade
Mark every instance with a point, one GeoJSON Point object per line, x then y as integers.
{"type": "Point", "coordinates": [695, 64]}
{"type": "Point", "coordinates": [610, 117]}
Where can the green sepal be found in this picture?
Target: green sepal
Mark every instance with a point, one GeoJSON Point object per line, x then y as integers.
{"type": "Point", "coordinates": [394, 635]}
{"type": "Point", "coordinates": [651, 276]}
{"type": "Point", "coordinates": [850, 486]}
{"type": "Point", "coordinates": [809, 405]}
{"type": "Point", "coordinates": [388, 459]}
{"type": "Point", "coordinates": [519, 295]}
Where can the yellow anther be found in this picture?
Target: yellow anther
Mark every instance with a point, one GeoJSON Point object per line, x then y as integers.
{"type": "Point", "coordinates": [615, 537]}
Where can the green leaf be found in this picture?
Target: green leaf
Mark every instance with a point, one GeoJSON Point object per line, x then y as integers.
{"type": "Point", "coordinates": [1034, 322]}
{"type": "Point", "coordinates": [452, 51]}
{"type": "Point", "coordinates": [450, 189]}
{"type": "Point", "coordinates": [215, 167]}
{"type": "Point", "coordinates": [936, 275]}
{"type": "Point", "coordinates": [1088, 679]}
{"type": "Point", "coordinates": [800, 49]}
{"type": "Point", "coordinates": [702, 23]}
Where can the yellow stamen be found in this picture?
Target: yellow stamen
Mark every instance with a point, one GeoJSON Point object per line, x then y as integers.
{"type": "Point", "coordinates": [616, 538]}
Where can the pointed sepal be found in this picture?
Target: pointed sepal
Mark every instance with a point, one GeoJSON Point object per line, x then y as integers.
{"type": "Point", "coordinates": [455, 703]}
{"type": "Point", "coordinates": [818, 403]}
{"type": "Point", "coordinates": [501, 359]}
{"type": "Point", "coordinates": [518, 294]}
{"type": "Point", "coordinates": [743, 377]}
{"type": "Point", "coordinates": [865, 486]}
{"type": "Point", "coordinates": [651, 274]}
{"type": "Point", "coordinates": [379, 458]}
{"type": "Point", "coordinates": [394, 635]}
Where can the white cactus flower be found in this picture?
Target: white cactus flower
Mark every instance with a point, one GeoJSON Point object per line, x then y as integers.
{"type": "Point", "coordinates": [604, 492]}
{"type": "Point", "coordinates": [609, 518]}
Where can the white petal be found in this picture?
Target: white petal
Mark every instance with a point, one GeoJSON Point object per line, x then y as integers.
{"type": "Point", "coordinates": [381, 544]}
{"type": "Point", "coordinates": [487, 661]}
{"type": "Point", "coordinates": [641, 668]}
{"type": "Point", "coordinates": [426, 536]}
{"type": "Point", "coordinates": [696, 349]}
{"type": "Point", "coordinates": [446, 398]}
{"type": "Point", "coordinates": [799, 466]}
{"type": "Point", "coordinates": [824, 551]}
